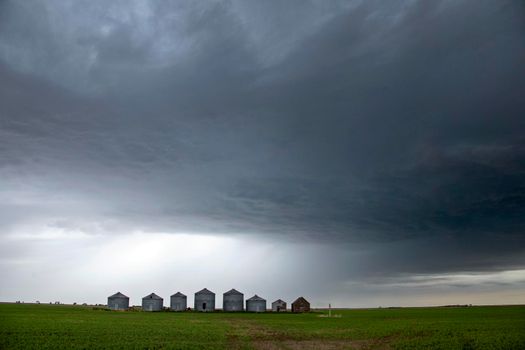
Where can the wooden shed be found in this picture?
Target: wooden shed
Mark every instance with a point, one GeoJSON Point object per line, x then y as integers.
{"type": "Point", "coordinates": [300, 305]}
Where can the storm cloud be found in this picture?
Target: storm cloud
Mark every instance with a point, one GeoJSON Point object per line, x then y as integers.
{"type": "Point", "coordinates": [388, 133]}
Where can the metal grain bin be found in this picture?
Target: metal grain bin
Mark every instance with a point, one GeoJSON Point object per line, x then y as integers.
{"type": "Point", "coordinates": [118, 301]}
{"type": "Point", "coordinates": [178, 302]}
{"type": "Point", "coordinates": [279, 306]}
{"type": "Point", "coordinates": [152, 302]}
{"type": "Point", "coordinates": [233, 300]}
{"type": "Point", "coordinates": [256, 304]}
{"type": "Point", "coordinates": [204, 300]}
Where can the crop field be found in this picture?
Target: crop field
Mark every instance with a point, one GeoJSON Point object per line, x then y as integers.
{"type": "Point", "coordinates": [24, 326]}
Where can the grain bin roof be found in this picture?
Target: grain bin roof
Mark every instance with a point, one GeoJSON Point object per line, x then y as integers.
{"type": "Point", "coordinates": [233, 292]}
{"type": "Point", "coordinates": [152, 296]}
{"type": "Point", "coordinates": [205, 291]}
{"type": "Point", "coordinates": [178, 294]}
{"type": "Point", "coordinates": [300, 300]}
{"type": "Point", "coordinates": [256, 298]}
{"type": "Point", "coordinates": [118, 295]}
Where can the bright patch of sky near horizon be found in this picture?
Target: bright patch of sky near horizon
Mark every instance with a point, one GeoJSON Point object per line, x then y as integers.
{"type": "Point", "coordinates": [140, 263]}
{"type": "Point", "coordinates": [362, 153]}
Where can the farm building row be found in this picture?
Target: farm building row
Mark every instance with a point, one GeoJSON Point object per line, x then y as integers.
{"type": "Point", "coordinates": [233, 300]}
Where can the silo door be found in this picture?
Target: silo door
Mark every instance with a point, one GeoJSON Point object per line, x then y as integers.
{"type": "Point", "coordinates": [204, 306]}
{"type": "Point", "coordinates": [116, 306]}
{"type": "Point", "coordinates": [151, 307]}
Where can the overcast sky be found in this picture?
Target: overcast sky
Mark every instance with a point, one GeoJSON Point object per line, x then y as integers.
{"type": "Point", "coordinates": [362, 153]}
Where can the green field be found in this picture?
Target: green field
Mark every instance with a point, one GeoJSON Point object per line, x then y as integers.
{"type": "Point", "coordinates": [25, 326]}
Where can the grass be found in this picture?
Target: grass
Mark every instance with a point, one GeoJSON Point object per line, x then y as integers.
{"type": "Point", "coordinates": [75, 327]}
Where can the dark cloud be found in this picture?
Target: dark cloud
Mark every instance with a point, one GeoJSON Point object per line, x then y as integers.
{"type": "Point", "coordinates": [393, 126]}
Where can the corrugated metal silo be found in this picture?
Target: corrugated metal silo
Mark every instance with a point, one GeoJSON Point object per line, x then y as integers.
{"type": "Point", "coordinates": [256, 304]}
{"type": "Point", "coordinates": [204, 300]}
{"type": "Point", "coordinates": [118, 301]}
{"type": "Point", "coordinates": [233, 300]}
{"type": "Point", "coordinates": [178, 302]}
{"type": "Point", "coordinates": [152, 302]}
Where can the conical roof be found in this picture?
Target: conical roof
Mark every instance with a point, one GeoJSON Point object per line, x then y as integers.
{"type": "Point", "coordinates": [256, 298]}
{"type": "Point", "coordinates": [152, 296]}
{"type": "Point", "coordinates": [118, 295]}
{"type": "Point", "coordinates": [205, 291]}
{"type": "Point", "coordinates": [233, 292]}
{"type": "Point", "coordinates": [178, 294]}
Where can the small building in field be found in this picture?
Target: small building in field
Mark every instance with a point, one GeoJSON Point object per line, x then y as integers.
{"type": "Point", "coordinates": [233, 300]}
{"type": "Point", "coordinates": [279, 306]}
{"type": "Point", "coordinates": [300, 305]}
{"type": "Point", "coordinates": [205, 300]}
{"type": "Point", "coordinates": [178, 302]}
{"type": "Point", "coordinates": [152, 302]}
{"type": "Point", "coordinates": [256, 304]}
{"type": "Point", "coordinates": [118, 301]}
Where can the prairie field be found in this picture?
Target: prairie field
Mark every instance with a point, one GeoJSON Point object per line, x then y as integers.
{"type": "Point", "coordinates": [30, 326]}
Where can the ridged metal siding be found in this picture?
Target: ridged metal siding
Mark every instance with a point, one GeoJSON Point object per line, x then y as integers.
{"type": "Point", "coordinates": [258, 305]}
{"type": "Point", "coordinates": [151, 304]}
{"type": "Point", "coordinates": [178, 303]}
{"type": "Point", "coordinates": [204, 302]}
{"type": "Point", "coordinates": [233, 302]}
{"type": "Point", "coordinates": [118, 303]}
